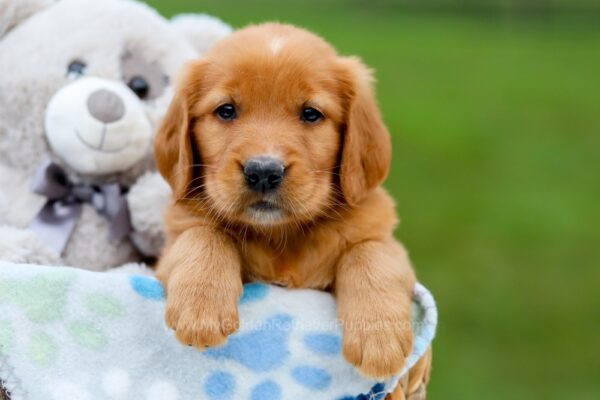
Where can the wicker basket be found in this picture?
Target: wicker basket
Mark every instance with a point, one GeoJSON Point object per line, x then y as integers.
{"type": "Point", "coordinates": [413, 385]}
{"type": "Point", "coordinates": [3, 394]}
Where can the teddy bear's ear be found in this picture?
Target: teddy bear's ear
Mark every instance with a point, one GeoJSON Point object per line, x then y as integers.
{"type": "Point", "coordinates": [200, 30]}
{"type": "Point", "coordinates": [13, 12]}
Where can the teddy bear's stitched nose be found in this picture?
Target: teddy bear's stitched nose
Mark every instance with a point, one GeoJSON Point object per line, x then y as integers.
{"type": "Point", "coordinates": [106, 106]}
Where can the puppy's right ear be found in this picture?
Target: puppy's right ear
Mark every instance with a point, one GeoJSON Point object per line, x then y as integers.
{"type": "Point", "coordinates": [174, 146]}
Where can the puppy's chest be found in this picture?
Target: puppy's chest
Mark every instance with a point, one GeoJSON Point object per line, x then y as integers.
{"type": "Point", "coordinates": [305, 265]}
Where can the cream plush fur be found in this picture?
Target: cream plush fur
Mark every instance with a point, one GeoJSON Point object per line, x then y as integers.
{"type": "Point", "coordinates": [42, 102]}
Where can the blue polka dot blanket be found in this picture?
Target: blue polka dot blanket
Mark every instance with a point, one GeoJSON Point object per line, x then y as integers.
{"type": "Point", "coordinates": [68, 334]}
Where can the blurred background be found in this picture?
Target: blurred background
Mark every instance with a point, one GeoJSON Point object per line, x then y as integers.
{"type": "Point", "coordinates": [494, 109]}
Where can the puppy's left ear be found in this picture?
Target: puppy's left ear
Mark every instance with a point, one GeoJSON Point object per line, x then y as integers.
{"type": "Point", "coordinates": [366, 146]}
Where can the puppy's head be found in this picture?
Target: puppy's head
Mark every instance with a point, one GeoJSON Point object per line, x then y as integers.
{"type": "Point", "coordinates": [272, 127]}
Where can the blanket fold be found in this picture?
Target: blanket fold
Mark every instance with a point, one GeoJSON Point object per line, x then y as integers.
{"type": "Point", "coordinates": [72, 334]}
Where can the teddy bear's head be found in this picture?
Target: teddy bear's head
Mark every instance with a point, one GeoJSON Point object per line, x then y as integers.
{"type": "Point", "coordinates": [87, 81]}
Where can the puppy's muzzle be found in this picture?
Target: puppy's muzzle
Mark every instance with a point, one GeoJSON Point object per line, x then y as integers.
{"type": "Point", "coordinates": [263, 174]}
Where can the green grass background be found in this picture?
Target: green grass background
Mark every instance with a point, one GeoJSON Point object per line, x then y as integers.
{"type": "Point", "coordinates": [495, 117]}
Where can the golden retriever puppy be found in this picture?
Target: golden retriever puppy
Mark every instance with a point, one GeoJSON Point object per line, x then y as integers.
{"type": "Point", "coordinates": [275, 149]}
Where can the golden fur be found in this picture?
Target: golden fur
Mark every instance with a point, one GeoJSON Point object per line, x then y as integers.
{"type": "Point", "coordinates": [333, 229]}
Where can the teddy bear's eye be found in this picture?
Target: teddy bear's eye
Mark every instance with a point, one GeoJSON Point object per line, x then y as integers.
{"type": "Point", "coordinates": [76, 67]}
{"type": "Point", "coordinates": [140, 86]}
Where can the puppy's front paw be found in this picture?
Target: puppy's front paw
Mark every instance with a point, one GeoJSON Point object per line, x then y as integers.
{"type": "Point", "coordinates": [201, 320]}
{"type": "Point", "coordinates": [378, 347]}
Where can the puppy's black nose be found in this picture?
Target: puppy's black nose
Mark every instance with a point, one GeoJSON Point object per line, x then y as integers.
{"type": "Point", "coordinates": [263, 173]}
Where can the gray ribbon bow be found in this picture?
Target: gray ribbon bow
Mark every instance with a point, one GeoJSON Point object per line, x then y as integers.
{"type": "Point", "coordinates": [55, 222]}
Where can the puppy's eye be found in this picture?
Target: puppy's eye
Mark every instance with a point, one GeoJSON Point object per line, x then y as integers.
{"type": "Point", "coordinates": [76, 67]}
{"type": "Point", "coordinates": [226, 112]}
{"type": "Point", "coordinates": [310, 115]}
{"type": "Point", "coordinates": [140, 86]}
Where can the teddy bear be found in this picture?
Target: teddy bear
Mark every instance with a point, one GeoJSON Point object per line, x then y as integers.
{"type": "Point", "coordinates": [83, 86]}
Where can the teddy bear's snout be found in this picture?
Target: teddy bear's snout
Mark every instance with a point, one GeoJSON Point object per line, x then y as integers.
{"type": "Point", "coordinates": [98, 126]}
{"type": "Point", "coordinates": [106, 106]}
